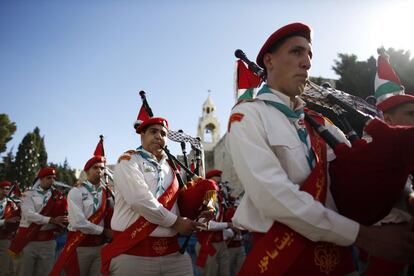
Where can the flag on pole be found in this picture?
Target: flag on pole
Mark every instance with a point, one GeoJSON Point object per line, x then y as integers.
{"type": "Point", "coordinates": [387, 83]}
{"type": "Point", "coordinates": [247, 82]}
{"type": "Point", "coordinates": [100, 147]}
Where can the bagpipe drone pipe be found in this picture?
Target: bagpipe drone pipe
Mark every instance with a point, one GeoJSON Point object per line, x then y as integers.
{"type": "Point", "coordinates": [368, 178]}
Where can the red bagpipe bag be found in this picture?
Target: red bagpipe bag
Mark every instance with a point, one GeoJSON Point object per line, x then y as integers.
{"type": "Point", "coordinates": [57, 205]}
{"type": "Point", "coordinates": [282, 251]}
{"type": "Point", "coordinates": [368, 179]}
{"type": "Point", "coordinates": [9, 229]}
{"type": "Point", "coordinates": [68, 260]}
{"type": "Point", "coordinates": [197, 195]}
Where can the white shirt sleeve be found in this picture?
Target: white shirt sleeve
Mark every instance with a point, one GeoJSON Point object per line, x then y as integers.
{"type": "Point", "coordinates": [130, 183]}
{"type": "Point", "coordinates": [77, 218]}
{"type": "Point", "coordinates": [269, 188]}
{"type": "Point", "coordinates": [2, 221]}
{"type": "Point", "coordinates": [228, 233]}
{"type": "Point", "coordinates": [217, 226]}
{"type": "Point", "coordinates": [29, 212]}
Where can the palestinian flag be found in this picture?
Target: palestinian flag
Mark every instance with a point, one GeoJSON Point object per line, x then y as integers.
{"type": "Point", "coordinates": [387, 83]}
{"type": "Point", "coordinates": [246, 82]}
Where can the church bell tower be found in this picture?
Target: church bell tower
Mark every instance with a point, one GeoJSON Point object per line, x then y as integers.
{"type": "Point", "coordinates": [208, 126]}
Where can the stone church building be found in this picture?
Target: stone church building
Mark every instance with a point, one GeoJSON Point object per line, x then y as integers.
{"type": "Point", "coordinates": [215, 153]}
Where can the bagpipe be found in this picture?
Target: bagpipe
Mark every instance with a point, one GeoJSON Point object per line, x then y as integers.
{"type": "Point", "coordinates": [368, 178]}
{"type": "Point", "coordinates": [12, 210]}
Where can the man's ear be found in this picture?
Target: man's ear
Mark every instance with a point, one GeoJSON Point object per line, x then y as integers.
{"type": "Point", "coordinates": [267, 61]}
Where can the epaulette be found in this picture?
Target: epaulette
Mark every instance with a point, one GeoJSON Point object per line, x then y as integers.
{"type": "Point", "coordinates": [238, 116]}
{"type": "Point", "coordinates": [127, 155]}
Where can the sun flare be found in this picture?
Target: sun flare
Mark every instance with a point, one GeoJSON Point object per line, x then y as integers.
{"type": "Point", "coordinates": [391, 25]}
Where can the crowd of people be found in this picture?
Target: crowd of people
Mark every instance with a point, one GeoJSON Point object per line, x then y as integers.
{"type": "Point", "coordinates": [137, 227]}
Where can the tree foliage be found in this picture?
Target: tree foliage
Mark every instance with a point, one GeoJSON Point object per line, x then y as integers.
{"type": "Point", "coordinates": [7, 169]}
{"type": "Point", "coordinates": [7, 129]}
{"type": "Point", "coordinates": [64, 173]}
{"type": "Point", "coordinates": [31, 156]}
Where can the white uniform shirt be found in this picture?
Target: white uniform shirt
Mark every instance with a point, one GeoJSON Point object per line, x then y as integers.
{"type": "Point", "coordinates": [80, 208]}
{"type": "Point", "coordinates": [3, 204]}
{"type": "Point", "coordinates": [32, 204]}
{"type": "Point", "coordinates": [135, 181]}
{"type": "Point", "coordinates": [270, 161]}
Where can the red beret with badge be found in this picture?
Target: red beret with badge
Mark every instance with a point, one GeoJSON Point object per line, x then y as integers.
{"type": "Point", "coordinates": [46, 171]}
{"type": "Point", "coordinates": [93, 161]}
{"type": "Point", "coordinates": [294, 29]}
{"type": "Point", "coordinates": [151, 121]}
{"type": "Point", "coordinates": [5, 183]}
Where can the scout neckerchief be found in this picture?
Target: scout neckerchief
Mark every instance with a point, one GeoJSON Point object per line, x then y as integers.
{"type": "Point", "coordinates": [157, 165]}
{"type": "Point", "coordinates": [3, 204]}
{"type": "Point", "coordinates": [297, 118]}
{"type": "Point", "coordinates": [95, 192]}
{"type": "Point", "coordinates": [45, 193]}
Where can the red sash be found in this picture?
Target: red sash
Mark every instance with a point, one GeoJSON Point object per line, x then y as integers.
{"type": "Point", "coordinates": [55, 206]}
{"type": "Point", "coordinates": [137, 231]}
{"type": "Point", "coordinates": [282, 250]}
{"type": "Point", "coordinates": [68, 259]}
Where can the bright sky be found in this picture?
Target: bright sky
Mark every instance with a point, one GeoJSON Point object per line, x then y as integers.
{"type": "Point", "coordinates": [74, 68]}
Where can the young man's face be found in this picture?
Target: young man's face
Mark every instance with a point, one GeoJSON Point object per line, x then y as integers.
{"type": "Point", "coordinates": [4, 191]}
{"type": "Point", "coordinates": [47, 181]}
{"type": "Point", "coordinates": [95, 173]}
{"type": "Point", "coordinates": [288, 66]}
{"type": "Point", "coordinates": [153, 139]}
{"type": "Point", "coordinates": [402, 115]}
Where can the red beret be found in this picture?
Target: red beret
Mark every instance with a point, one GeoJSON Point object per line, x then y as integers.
{"type": "Point", "coordinates": [93, 161]}
{"type": "Point", "coordinates": [394, 101]}
{"type": "Point", "coordinates": [46, 171]}
{"type": "Point", "coordinates": [213, 173]}
{"type": "Point", "coordinates": [5, 183]}
{"type": "Point", "coordinates": [151, 121]}
{"type": "Point", "coordinates": [299, 29]}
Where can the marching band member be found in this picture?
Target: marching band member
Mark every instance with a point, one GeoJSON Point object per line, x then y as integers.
{"type": "Point", "coordinates": [9, 220]}
{"type": "Point", "coordinates": [87, 208]}
{"type": "Point", "coordinates": [212, 254]}
{"type": "Point", "coordinates": [282, 165]}
{"type": "Point", "coordinates": [146, 218]}
{"type": "Point", "coordinates": [43, 210]}
{"type": "Point", "coordinates": [398, 110]}
{"type": "Point", "coordinates": [233, 238]}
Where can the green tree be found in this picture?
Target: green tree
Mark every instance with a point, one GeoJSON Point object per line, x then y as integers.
{"type": "Point", "coordinates": [29, 158]}
{"type": "Point", "coordinates": [40, 145]}
{"type": "Point", "coordinates": [7, 129]}
{"type": "Point", "coordinates": [355, 77]}
{"type": "Point", "coordinates": [7, 169]}
{"type": "Point", "coordinates": [64, 173]}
